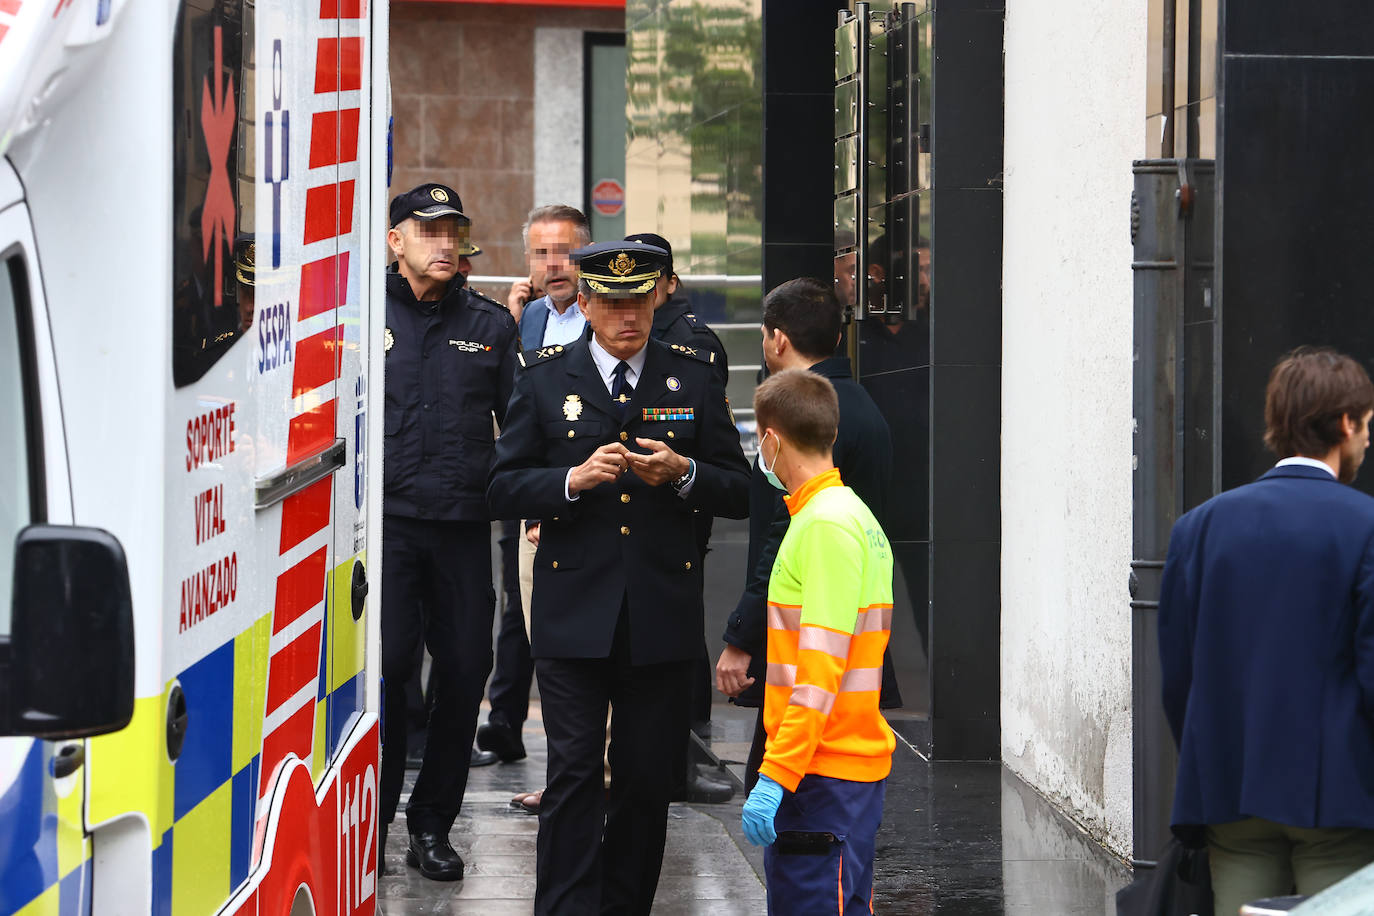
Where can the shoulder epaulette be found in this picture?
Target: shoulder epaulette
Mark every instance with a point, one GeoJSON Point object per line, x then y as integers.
{"type": "Point", "coordinates": [701, 354]}
{"type": "Point", "coordinates": [541, 354]}
{"type": "Point", "coordinates": [486, 300]}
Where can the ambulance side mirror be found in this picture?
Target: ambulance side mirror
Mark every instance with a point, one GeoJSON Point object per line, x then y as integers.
{"type": "Point", "coordinates": [67, 668]}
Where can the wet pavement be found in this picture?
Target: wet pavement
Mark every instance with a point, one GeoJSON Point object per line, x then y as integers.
{"type": "Point", "coordinates": [958, 839]}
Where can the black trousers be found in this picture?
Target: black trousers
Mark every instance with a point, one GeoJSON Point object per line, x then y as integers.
{"type": "Point", "coordinates": [601, 852]}
{"type": "Point", "coordinates": [510, 680]}
{"type": "Point", "coordinates": [436, 590]}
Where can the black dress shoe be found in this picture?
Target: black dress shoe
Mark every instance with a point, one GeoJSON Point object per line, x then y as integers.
{"type": "Point", "coordinates": [482, 758]}
{"type": "Point", "coordinates": [499, 737]}
{"type": "Point", "coordinates": [706, 786]}
{"type": "Point", "coordinates": [436, 859]}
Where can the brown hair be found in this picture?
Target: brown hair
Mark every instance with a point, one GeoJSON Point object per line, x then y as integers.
{"type": "Point", "coordinates": [1310, 390]}
{"type": "Point", "coordinates": [802, 406]}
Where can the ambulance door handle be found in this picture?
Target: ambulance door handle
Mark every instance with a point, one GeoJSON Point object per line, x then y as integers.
{"type": "Point", "coordinates": [273, 488]}
{"type": "Point", "coordinates": [68, 759]}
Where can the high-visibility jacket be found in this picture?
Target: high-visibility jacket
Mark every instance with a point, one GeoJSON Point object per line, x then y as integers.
{"type": "Point", "coordinates": [829, 617]}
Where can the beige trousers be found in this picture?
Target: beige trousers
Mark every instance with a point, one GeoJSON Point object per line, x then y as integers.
{"type": "Point", "coordinates": [526, 575]}
{"type": "Point", "coordinates": [1254, 858]}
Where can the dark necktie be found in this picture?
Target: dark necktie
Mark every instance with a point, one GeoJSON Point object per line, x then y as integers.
{"type": "Point", "coordinates": [621, 389]}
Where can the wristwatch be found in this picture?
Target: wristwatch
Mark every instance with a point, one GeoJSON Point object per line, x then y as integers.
{"type": "Point", "coordinates": [681, 482]}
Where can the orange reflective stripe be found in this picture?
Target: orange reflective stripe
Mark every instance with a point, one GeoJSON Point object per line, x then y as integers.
{"type": "Point", "coordinates": [780, 675]}
{"type": "Point", "coordinates": [822, 639]}
{"type": "Point", "coordinates": [840, 882]}
{"type": "Point", "coordinates": [812, 697]}
{"type": "Point", "coordinates": [784, 617]}
{"type": "Point", "coordinates": [875, 618]}
{"type": "Point", "coordinates": [857, 679]}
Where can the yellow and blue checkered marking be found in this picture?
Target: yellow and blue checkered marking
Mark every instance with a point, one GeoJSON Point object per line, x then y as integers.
{"type": "Point", "coordinates": [44, 858]}
{"type": "Point", "coordinates": [202, 809]}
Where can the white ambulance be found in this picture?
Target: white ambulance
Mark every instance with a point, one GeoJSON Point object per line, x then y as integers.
{"type": "Point", "coordinates": [191, 314]}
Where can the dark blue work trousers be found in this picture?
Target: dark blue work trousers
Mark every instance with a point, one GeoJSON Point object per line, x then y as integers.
{"type": "Point", "coordinates": [835, 877]}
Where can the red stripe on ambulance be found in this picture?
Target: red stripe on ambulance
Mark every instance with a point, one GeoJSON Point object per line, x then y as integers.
{"type": "Point", "coordinates": [295, 666]}
{"type": "Point", "coordinates": [318, 361]}
{"type": "Point", "coordinates": [328, 211]}
{"type": "Point", "coordinates": [305, 513]}
{"type": "Point", "coordinates": [299, 589]}
{"type": "Point", "coordinates": [343, 9]}
{"type": "Point", "coordinates": [310, 432]}
{"type": "Point", "coordinates": [338, 65]}
{"type": "Point", "coordinates": [334, 137]}
{"type": "Point", "coordinates": [320, 284]}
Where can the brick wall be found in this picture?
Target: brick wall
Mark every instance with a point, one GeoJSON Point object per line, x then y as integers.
{"type": "Point", "coordinates": [462, 83]}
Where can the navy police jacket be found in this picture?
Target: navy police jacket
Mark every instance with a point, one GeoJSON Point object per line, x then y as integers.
{"type": "Point", "coordinates": [676, 323]}
{"type": "Point", "coordinates": [449, 367]}
{"type": "Point", "coordinates": [623, 543]}
{"type": "Point", "coordinates": [1266, 635]}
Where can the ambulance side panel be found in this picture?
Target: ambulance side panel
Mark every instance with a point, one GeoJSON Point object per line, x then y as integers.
{"type": "Point", "coordinates": [201, 204]}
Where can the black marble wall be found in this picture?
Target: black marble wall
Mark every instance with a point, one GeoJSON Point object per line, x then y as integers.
{"type": "Point", "coordinates": [966, 379]}
{"type": "Point", "coordinates": [798, 138]}
{"type": "Point", "coordinates": [937, 376]}
{"type": "Point", "coordinates": [1296, 223]}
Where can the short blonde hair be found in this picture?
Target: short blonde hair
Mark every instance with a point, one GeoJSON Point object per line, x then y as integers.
{"type": "Point", "coordinates": [802, 406]}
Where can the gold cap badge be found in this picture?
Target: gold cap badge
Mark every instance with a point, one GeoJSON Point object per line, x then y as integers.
{"type": "Point", "coordinates": [439, 194]}
{"type": "Point", "coordinates": [622, 264]}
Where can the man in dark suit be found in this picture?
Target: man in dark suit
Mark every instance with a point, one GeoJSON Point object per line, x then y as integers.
{"type": "Point", "coordinates": [550, 234]}
{"type": "Point", "coordinates": [1266, 635]}
{"type": "Point", "coordinates": [613, 441]}
{"type": "Point", "coordinates": [802, 320]}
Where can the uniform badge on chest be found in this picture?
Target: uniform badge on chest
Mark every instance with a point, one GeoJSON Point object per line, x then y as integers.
{"type": "Point", "coordinates": [572, 407]}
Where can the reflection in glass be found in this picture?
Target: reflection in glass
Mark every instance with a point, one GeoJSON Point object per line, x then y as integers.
{"type": "Point", "coordinates": [695, 146]}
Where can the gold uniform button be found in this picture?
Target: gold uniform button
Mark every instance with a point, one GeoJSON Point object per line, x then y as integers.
{"type": "Point", "coordinates": [624, 529]}
{"type": "Point", "coordinates": [571, 434]}
{"type": "Point", "coordinates": [688, 565]}
{"type": "Point", "coordinates": [624, 437]}
{"type": "Point", "coordinates": [624, 497]}
{"type": "Point", "coordinates": [670, 434]}
{"type": "Point", "coordinates": [555, 564]}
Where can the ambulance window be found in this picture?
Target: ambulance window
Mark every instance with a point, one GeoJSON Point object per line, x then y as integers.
{"type": "Point", "coordinates": [19, 454]}
{"type": "Point", "coordinates": [213, 174]}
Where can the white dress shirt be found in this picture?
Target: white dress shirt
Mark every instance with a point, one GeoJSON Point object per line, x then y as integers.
{"type": "Point", "coordinates": [564, 328]}
{"type": "Point", "coordinates": [606, 363]}
{"type": "Point", "coordinates": [1307, 463]}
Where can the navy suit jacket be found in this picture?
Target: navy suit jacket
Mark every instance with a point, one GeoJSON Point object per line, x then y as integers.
{"type": "Point", "coordinates": [533, 319]}
{"type": "Point", "coordinates": [1266, 634]}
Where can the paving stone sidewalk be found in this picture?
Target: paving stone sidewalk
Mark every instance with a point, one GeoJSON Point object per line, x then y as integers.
{"type": "Point", "coordinates": [705, 870]}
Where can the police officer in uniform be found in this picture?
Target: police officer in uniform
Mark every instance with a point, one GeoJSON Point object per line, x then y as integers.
{"type": "Point", "coordinates": [450, 357]}
{"type": "Point", "coordinates": [674, 320]}
{"type": "Point", "coordinates": [613, 441]}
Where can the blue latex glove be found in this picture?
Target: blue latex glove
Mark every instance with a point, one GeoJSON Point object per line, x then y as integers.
{"type": "Point", "coordinates": [759, 810]}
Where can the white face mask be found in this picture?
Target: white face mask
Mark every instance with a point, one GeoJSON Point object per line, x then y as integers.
{"type": "Point", "coordinates": [767, 471]}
